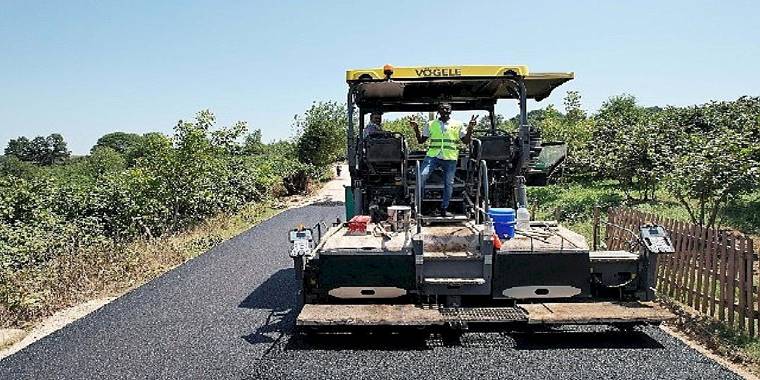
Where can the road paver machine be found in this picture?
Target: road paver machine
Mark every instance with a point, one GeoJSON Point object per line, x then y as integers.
{"type": "Point", "coordinates": [393, 263]}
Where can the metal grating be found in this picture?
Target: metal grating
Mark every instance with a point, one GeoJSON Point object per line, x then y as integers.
{"type": "Point", "coordinates": [484, 314]}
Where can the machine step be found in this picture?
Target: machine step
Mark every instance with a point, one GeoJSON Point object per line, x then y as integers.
{"type": "Point", "coordinates": [454, 281]}
{"type": "Point", "coordinates": [454, 218]}
{"type": "Point", "coordinates": [484, 314]}
{"type": "Point", "coordinates": [612, 256]}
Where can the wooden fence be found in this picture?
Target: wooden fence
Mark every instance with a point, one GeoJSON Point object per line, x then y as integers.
{"type": "Point", "coordinates": [712, 270]}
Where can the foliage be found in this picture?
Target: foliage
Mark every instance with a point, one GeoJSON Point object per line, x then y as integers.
{"type": "Point", "coordinates": [120, 142]}
{"type": "Point", "coordinates": [40, 150]}
{"type": "Point", "coordinates": [717, 160]}
{"type": "Point", "coordinates": [627, 146]}
{"type": "Point", "coordinates": [321, 132]}
{"type": "Point", "coordinates": [63, 223]}
{"type": "Point", "coordinates": [11, 165]}
{"type": "Point", "coordinates": [706, 156]}
{"type": "Point", "coordinates": [501, 123]}
{"type": "Point", "coordinates": [253, 144]}
{"type": "Point", "coordinates": [175, 182]}
{"type": "Point", "coordinates": [401, 125]}
{"type": "Point", "coordinates": [105, 160]}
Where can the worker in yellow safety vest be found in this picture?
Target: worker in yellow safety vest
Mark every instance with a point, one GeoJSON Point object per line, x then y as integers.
{"type": "Point", "coordinates": [444, 135]}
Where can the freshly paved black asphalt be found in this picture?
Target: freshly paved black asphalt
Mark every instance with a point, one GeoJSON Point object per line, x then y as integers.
{"type": "Point", "coordinates": [227, 314]}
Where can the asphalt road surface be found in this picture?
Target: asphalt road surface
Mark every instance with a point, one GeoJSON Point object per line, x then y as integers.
{"type": "Point", "coordinates": [227, 314]}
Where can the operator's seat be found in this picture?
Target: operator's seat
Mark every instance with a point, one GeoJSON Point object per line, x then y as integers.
{"type": "Point", "coordinates": [384, 147]}
{"type": "Point", "coordinates": [494, 148]}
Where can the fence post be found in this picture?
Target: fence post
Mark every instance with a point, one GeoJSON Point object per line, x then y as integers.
{"type": "Point", "coordinates": [742, 269]}
{"type": "Point", "coordinates": [723, 277]}
{"type": "Point", "coordinates": [609, 230]}
{"type": "Point", "coordinates": [732, 282]}
{"type": "Point", "coordinates": [715, 257]}
{"type": "Point", "coordinates": [596, 228]}
{"type": "Point", "coordinates": [750, 274]}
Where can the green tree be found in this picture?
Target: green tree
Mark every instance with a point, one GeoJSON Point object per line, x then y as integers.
{"type": "Point", "coordinates": [629, 146]}
{"type": "Point", "coordinates": [40, 150]}
{"type": "Point", "coordinates": [120, 142]}
{"type": "Point", "coordinates": [105, 160]}
{"type": "Point", "coordinates": [19, 148]}
{"type": "Point", "coordinates": [717, 169]}
{"type": "Point", "coordinates": [573, 111]}
{"type": "Point", "coordinates": [321, 133]}
{"type": "Point", "coordinates": [253, 145]}
{"type": "Point", "coordinates": [57, 149]}
{"type": "Point", "coordinates": [716, 155]}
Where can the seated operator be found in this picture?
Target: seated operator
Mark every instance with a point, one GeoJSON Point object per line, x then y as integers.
{"type": "Point", "coordinates": [444, 134]}
{"type": "Point", "coordinates": [375, 124]}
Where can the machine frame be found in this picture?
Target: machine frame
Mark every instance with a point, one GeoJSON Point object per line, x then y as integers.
{"type": "Point", "coordinates": [455, 271]}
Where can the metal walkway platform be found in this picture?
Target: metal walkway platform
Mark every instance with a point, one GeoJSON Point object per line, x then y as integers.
{"type": "Point", "coordinates": [537, 313]}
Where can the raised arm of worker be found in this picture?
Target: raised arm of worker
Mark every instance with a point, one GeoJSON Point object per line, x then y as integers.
{"type": "Point", "coordinates": [420, 138]}
{"type": "Point", "coordinates": [468, 135]}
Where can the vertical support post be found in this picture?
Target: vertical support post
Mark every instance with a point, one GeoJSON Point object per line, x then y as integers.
{"type": "Point", "coordinates": [524, 133]}
{"type": "Point", "coordinates": [484, 183]}
{"type": "Point", "coordinates": [351, 151]}
{"type": "Point", "coordinates": [521, 192]}
{"type": "Point", "coordinates": [492, 117]}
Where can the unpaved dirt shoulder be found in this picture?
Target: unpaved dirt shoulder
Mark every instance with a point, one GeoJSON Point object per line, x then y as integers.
{"type": "Point", "coordinates": [14, 340]}
{"type": "Point", "coordinates": [50, 325]}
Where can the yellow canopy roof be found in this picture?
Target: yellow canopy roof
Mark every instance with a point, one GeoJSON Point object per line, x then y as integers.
{"type": "Point", "coordinates": [471, 86]}
{"type": "Point", "coordinates": [431, 72]}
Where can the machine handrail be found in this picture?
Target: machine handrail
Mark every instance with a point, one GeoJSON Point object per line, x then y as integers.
{"type": "Point", "coordinates": [484, 180]}
{"type": "Point", "coordinates": [404, 178]}
{"type": "Point", "coordinates": [418, 197]}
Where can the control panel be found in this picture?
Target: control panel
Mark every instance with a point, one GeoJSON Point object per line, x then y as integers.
{"type": "Point", "coordinates": [656, 239]}
{"type": "Point", "coordinates": [302, 241]}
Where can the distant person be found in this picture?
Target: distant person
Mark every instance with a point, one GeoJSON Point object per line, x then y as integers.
{"type": "Point", "coordinates": [444, 133]}
{"type": "Point", "coordinates": [375, 124]}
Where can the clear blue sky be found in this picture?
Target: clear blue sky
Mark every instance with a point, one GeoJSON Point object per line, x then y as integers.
{"type": "Point", "coordinates": [84, 69]}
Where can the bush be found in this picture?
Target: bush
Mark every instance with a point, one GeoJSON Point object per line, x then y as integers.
{"type": "Point", "coordinates": [321, 134]}
{"type": "Point", "coordinates": [175, 182]}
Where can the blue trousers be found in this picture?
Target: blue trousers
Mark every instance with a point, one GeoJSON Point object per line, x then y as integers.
{"type": "Point", "coordinates": [449, 169]}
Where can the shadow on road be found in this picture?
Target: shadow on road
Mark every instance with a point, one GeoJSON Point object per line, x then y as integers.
{"type": "Point", "coordinates": [360, 341]}
{"type": "Point", "coordinates": [610, 339]}
{"type": "Point", "coordinates": [277, 296]}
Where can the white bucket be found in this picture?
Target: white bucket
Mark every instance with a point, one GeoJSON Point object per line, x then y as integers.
{"type": "Point", "coordinates": [400, 217]}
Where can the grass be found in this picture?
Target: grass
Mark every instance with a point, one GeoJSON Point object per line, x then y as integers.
{"type": "Point", "coordinates": [573, 204]}
{"type": "Point", "coordinates": [112, 269]}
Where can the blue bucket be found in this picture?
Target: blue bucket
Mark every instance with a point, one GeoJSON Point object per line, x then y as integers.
{"type": "Point", "coordinates": [503, 221]}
